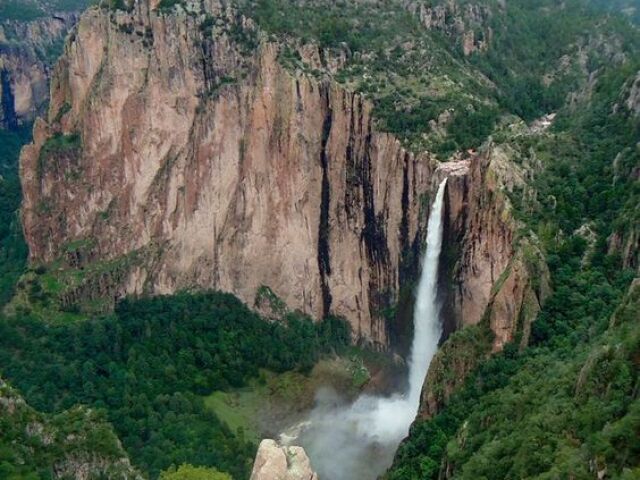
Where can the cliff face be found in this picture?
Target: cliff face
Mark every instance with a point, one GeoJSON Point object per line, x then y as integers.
{"type": "Point", "coordinates": [497, 268]}
{"type": "Point", "coordinates": [218, 168]}
{"type": "Point", "coordinates": [27, 50]}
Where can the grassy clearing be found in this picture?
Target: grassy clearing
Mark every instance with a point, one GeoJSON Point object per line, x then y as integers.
{"type": "Point", "coordinates": [273, 402]}
{"type": "Point", "coordinates": [238, 410]}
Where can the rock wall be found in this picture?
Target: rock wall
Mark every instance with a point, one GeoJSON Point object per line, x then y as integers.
{"type": "Point", "coordinates": [164, 134]}
{"type": "Point", "coordinates": [27, 50]}
{"type": "Point", "coordinates": [179, 152]}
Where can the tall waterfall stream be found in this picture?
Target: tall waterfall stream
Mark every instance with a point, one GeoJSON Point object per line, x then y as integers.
{"type": "Point", "coordinates": [358, 441]}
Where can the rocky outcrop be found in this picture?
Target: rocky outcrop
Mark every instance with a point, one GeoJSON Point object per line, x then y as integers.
{"type": "Point", "coordinates": [496, 266]}
{"type": "Point", "coordinates": [167, 132]}
{"type": "Point", "coordinates": [633, 98]}
{"type": "Point", "coordinates": [627, 244]}
{"type": "Point", "coordinates": [467, 25]}
{"type": "Point", "coordinates": [274, 462]}
{"type": "Point", "coordinates": [27, 52]}
{"type": "Point", "coordinates": [625, 240]}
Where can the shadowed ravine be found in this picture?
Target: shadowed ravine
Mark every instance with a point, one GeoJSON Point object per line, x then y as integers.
{"type": "Point", "coordinates": [357, 441]}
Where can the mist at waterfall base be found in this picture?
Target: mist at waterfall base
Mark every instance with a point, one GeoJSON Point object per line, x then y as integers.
{"type": "Point", "coordinates": [357, 441]}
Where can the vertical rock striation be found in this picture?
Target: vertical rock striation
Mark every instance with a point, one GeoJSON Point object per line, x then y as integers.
{"type": "Point", "coordinates": [27, 50]}
{"type": "Point", "coordinates": [179, 153]}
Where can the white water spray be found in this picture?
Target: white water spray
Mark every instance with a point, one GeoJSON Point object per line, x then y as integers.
{"type": "Point", "coordinates": [358, 441]}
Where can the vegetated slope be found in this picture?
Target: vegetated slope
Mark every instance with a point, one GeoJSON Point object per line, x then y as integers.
{"type": "Point", "coordinates": [630, 8]}
{"type": "Point", "coordinates": [76, 442]}
{"type": "Point", "coordinates": [559, 412]}
{"type": "Point", "coordinates": [13, 251]}
{"type": "Point", "coordinates": [431, 91]}
{"type": "Point", "coordinates": [568, 405]}
{"type": "Point", "coordinates": [149, 365]}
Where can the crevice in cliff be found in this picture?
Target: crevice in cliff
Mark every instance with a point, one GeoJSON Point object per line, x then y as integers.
{"type": "Point", "coordinates": [374, 237]}
{"type": "Point", "coordinates": [404, 201]}
{"type": "Point", "coordinates": [373, 232]}
{"type": "Point", "coordinates": [453, 238]}
{"type": "Point", "coordinates": [206, 49]}
{"type": "Point", "coordinates": [353, 179]}
{"type": "Point", "coordinates": [7, 107]}
{"type": "Point", "coordinates": [324, 263]}
{"type": "Point", "coordinates": [400, 325]}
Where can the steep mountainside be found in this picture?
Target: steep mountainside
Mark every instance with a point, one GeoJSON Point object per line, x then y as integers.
{"type": "Point", "coordinates": [200, 179]}
{"type": "Point", "coordinates": [560, 412]}
{"type": "Point", "coordinates": [31, 38]}
{"type": "Point", "coordinates": [573, 391]}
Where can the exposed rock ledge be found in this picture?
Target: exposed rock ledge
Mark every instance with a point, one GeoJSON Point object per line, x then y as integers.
{"type": "Point", "coordinates": [274, 462]}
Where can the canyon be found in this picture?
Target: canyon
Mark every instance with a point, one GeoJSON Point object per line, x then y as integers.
{"type": "Point", "coordinates": [400, 235]}
{"type": "Point", "coordinates": [235, 173]}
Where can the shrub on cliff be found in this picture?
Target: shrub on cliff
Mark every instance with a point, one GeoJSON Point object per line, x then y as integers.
{"type": "Point", "coordinates": [189, 472]}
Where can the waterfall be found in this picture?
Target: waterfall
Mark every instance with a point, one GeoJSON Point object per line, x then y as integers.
{"type": "Point", "coordinates": [426, 314]}
{"type": "Point", "coordinates": [358, 441]}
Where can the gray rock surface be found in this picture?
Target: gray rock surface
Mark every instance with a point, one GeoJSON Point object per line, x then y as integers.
{"type": "Point", "coordinates": [274, 462]}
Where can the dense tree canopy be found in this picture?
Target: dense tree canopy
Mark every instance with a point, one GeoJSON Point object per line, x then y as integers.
{"type": "Point", "coordinates": [189, 472]}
